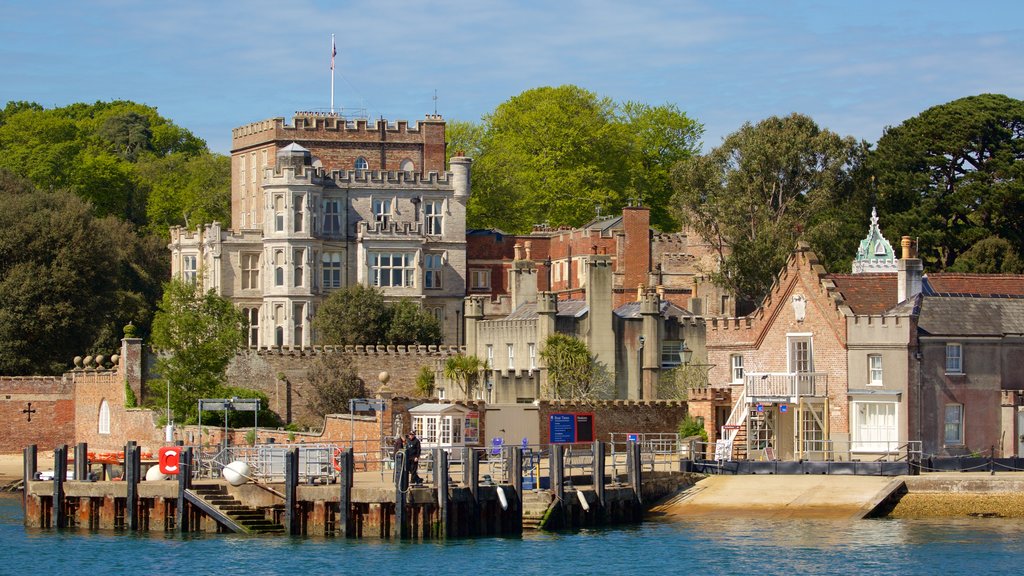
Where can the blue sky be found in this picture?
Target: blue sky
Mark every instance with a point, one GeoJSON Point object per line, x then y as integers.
{"type": "Point", "coordinates": [853, 66]}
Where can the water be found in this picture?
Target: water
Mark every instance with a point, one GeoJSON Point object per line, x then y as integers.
{"type": "Point", "coordinates": [698, 546]}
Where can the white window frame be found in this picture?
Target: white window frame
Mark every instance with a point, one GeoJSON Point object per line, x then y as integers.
{"type": "Point", "coordinates": [511, 356]}
{"type": "Point", "coordinates": [433, 217]}
{"type": "Point", "coordinates": [479, 279]}
{"type": "Point", "coordinates": [874, 431]}
{"type": "Point", "coordinates": [875, 372]}
{"type": "Point", "coordinates": [407, 166]}
{"type": "Point", "coordinates": [383, 275]}
{"type": "Point", "coordinates": [433, 268]}
{"type": "Point", "coordinates": [381, 208]}
{"type": "Point", "coordinates": [736, 368]}
{"type": "Point", "coordinates": [331, 270]}
{"type": "Point", "coordinates": [250, 270]}
{"type": "Point", "coordinates": [954, 358]}
{"type": "Point", "coordinates": [957, 410]}
{"type": "Point", "coordinates": [361, 164]}
{"type": "Point", "coordinates": [253, 316]}
{"type": "Point", "coordinates": [104, 417]}
{"type": "Point", "coordinates": [671, 353]}
{"type": "Point", "coordinates": [532, 348]}
{"type": "Point", "coordinates": [278, 267]}
{"type": "Point", "coordinates": [190, 268]}
{"type": "Point", "coordinates": [490, 356]}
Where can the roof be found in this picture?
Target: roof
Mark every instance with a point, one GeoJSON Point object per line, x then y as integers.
{"type": "Point", "coordinates": [955, 283]}
{"type": "Point", "coordinates": [566, 309]}
{"type": "Point", "coordinates": [867, 293]}
{"type": "Point", "coordinates": [971, 316]}
{"type": "Point", "coordinates": [437, 408]}
{"type": "Point", "coordinates": [294, 147]}
{"type": "Point", "coordinates": [631, 310]}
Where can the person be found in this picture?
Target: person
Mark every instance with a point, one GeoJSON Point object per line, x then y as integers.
{"type": "Point", "coordinates": [412, 457]}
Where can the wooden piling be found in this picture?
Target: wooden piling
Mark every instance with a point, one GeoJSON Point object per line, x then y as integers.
{"type": "Point", "coordinates": [60, 467]}
{"type": "Point", "coordinates": [442, 493]}
{"type": "Point", "coordinates": [472, 472]}
{"type": "Point", "coordinates": [517, 486]}
{"type": "Point", "coordinates": [557, 471]}
{"type": "Point", "coordinates": [345, 524]}
{"type": "Point", "coordinates": [181, 523]}
{"type": "Point", "coordinates": [598, 476]}
{"type": "Point", "coordinates": [81, 461]}
{"type": "Point", "coordinates": [132, 469]}
{"type": "Point", "coordinates": [31, 453]}
{"type": "Point", "coordinates": [291, 483]}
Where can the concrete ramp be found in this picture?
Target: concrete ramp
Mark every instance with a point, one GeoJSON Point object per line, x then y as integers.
{"type": "Point", "coordinates": [772, 496]}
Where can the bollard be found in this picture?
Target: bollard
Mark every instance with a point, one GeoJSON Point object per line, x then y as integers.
{"type": "Point", "coordinates": [181, 523]}
{"type": "Point", "coordinates": [345, 525]}
{"type": "Point", "coordinates": [557, 471]}
{"type": "Point", "coordinates": [442, 492]}
{"type": "Point", "coordinates": [291, 483]}
{"type": "Point", "coordinates": [82, 462]}
{"type": "Point", "coordinates": [60, 467]}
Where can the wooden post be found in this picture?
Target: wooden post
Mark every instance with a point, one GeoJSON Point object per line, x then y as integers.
{"type": "Point", "coordinates": [467, 453]}
{"type": "Point", "coordinates": [291, 483]}
{"type": "Point", "coordinates": [442, 491]}
{"type": "Point", "coordinates": [557, 471]}
{"type": "Point", "coordinates": [517, 485]}
{"type": "Point", "coordinates": [472, 467]}
{"type": "Point", "coordinates": [132, 455]}
{"type": "Point", "coordinates": [29, 474]}
{"type": "Point", "coordinates": [630, 477]}
{"type": "Point", "coordinates": [598, 474]}
{"type": "Point", "coordinates": [637, 471]}
{"type": "Point", "coordinates": [181, 523]}
{"type": "Point", "coordinates": [82, 462]}
{"type": "Point", "coordinates": [60, 467]}
{"type": "Point", "coordinates": [345, 523]}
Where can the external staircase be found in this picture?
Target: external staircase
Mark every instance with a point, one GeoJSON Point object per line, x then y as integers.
{"type": "Point", "coordinates": [535, 509]}
{"type": "Point", "coordinates": [234, 516]}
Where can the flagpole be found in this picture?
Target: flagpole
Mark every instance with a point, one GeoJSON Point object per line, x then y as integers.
{"type": "Point", "coordinates": [333, 52]}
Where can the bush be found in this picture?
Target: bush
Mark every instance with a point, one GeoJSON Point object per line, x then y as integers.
{"type": "Point", "coordinates": [691, 426]}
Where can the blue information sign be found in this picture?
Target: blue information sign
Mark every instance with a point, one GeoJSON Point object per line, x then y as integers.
{"type": "Point", "coordinates": [562, 428]}
{"type": "Point", "coordinates": [783, 408]}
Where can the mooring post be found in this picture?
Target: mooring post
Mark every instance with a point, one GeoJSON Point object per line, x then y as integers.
{"type": "Point", "coordinates": [630, 478]}
{"type": "Point", "coordinates": [472, 473]}
{"type": "Point", "coordinates": [60, 467]}
{"type": "Point", "coordinates": [291, 483]}
{"type": "Point", "coordinates": [442, 492]}
{"type": "Point", "coordinates": [29, 474]}
{"type": "Point", "coordinates": [181, 523]}
{"type": "Point", "coordinates": [634, 449]}
{"type": "Point", "coordinates": [598, 474]}
{"type": "Point", "coordinates": [81, 461]}
{"type": "Point", "coordinates": [467, 453]}
{"type": "Point", "coordinates": [517, 485]}
{"type": "Point", "coordinates": [131, 478]}
{"type": "Point", "coordinates": [346, 477]}
{"type": "Point", "coordinates": [557, 466]}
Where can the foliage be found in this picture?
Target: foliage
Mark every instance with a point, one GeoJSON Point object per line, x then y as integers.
{"type": "Point", "coordinates": [464, 371]}
{"type": "Point", "coordinates": [187, 190]}
{"type": "Point", "coordinates": [690, 426]}
{"type": "Point", "coordinates": [557, 155]}
{"type": "Point", "coordinates": [68, 280]}
{"type": "Point", "coordinates": [425, 381]}
{"type": "Point", "coordinates": [573, 373]}
{"type": "Point", "coordinates": [766, 186]}
{"type": "Point", "coordinates": [333, 381]}
{"type": "Point", "coordinates": [990, 256]}
{"type": "Point", "coordinates": [130, 401]}
{"type": "Point", "coordinates": [197, 335]}
{"type": "Point", "coordinates": [676, 383]}
{"type": "Point", "coordinates": [461, 137]}
{"type": "Point", "coordinates": [954, 175]}
{"type": "Point", "coordinates": [358, 314]}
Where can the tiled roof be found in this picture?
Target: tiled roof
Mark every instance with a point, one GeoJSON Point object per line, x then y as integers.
{"type": "Point", "coordinates": [954, 316]}
{"type": "Point", "coordinates": [566, 309]}
{"type": "Point", "coordinates": [867, 293]}
{"type": "Point", "coordinates": [667, 310]}
{"type": "Point", "coordinates": [954, 283]}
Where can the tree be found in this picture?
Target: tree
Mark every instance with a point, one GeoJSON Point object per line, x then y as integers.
{"type": "Point", "coordinates": [197, 335]}
{"type": "Point", "coordinates": [954, 175]}
{"type": "Point", "coordinates": [410, 324]}
{"type": "Point", "coordinates": [990, 256]}
{"type": "Point", "coordinates": [461, 137]}
{"type": "Point", "coordinates": [333, 381]}
{"type": "Point", "coordinates": [187, 190]}
{"type": "Point", "coordinates": [573, 373]}
{"type": "Point", "coordinates": [766, 186]}
{"type": "Point", "coordinates": [68, 280]}
{"type": "Point", "coordinates": [425, 381]}
{"type": "Point", "coordinates": [352, 315]}
{"type": "Point", "coordinates": [464, 371]}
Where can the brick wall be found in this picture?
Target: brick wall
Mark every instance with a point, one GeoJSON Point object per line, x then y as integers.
{"type": "Point", "coordinates": [619, 416]}
{"type": "Point", "coordinates": [52, 422]}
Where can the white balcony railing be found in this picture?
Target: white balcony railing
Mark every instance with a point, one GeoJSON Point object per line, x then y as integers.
{"type": "Point", "coordinates": [785, 384]}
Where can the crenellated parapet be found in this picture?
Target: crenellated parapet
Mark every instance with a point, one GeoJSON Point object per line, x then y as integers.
{"type": "Point", "coordinates": [327, 122]}
{"type": "Point", "coordinates": [386, 178]}
{"type": "Point", "coordinates": [568, 404]}
{"type": "Point", "coordinates": [362, 350]}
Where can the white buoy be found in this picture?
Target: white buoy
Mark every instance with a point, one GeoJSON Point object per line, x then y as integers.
{"type": "Point", "coordinates": [154, 474]}
{"type": "Point", "coordinates": [236, 473]}
{"type": "Point", "coordinates": [583, 500]}
{"type": "Point", "coordinates": [502, 499]}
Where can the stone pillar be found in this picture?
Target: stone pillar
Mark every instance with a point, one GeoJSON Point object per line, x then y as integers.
{"type": "Point", "coordinates": [601, 335]}
{"type": "Point", "coordinates": [547, 308]}
{"type": "Point", "coordinates": [650, 308]}
{"type": "Point", "coordinates": [130, 364]}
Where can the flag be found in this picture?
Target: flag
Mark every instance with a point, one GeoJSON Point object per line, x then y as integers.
{"type": "Point", "coordinates": [334, 51]}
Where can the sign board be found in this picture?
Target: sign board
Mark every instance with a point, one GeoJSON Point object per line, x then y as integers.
{"type": "Point", "coordinates": [471, 428]}
{"type": "Point", "coordinates": [365, 404]}
{"type": "Point", "coordinates": [222, 404]}
{"type": "Point", "coordinates": [783, 408]}
{"type": "Point", "coordinates": [632, 437]}
{"type": "Point", "coordinates": [723, 449]}
{"type": "Point", "coordinates": [571, 428]}
{"type": "Point", "coordinates": [760, 407]}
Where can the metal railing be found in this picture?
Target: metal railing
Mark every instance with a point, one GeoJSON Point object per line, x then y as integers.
{"type": "Point", "coordinates": [785, 384]}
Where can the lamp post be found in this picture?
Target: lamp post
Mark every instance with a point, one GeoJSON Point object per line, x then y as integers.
{"type": "Point", "coordinates": [686, 355]}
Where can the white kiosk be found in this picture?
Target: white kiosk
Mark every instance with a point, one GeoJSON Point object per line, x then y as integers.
{"type": "Point", "coordinates": [450, 427]}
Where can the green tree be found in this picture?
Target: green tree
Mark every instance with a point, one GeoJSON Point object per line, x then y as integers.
{"type": "Point", "coordinates": [187, 190]}
{"type": "Point", "coordinates": [68, 280]}
{"type": "Point", "coordinates": [352, 315]}
{"type": "Point", "coordinates": [766, 186]}
{"type": "Point", "coordinates": [461, 137]}
{"type": "Point", "coordinates": [425, 381]}
{"type": "Point", "coordinates": [333, 381]}
{"type": "Point", "coordinates": [464, 371]}
{"type": "Point", "coordinates": [410, 324]}
{"type": "Point", "coordinates": [954, 175]}
{"type": "Point", "coordinates": [197, 335]}
{"type": "Point", "coordinates": [990, 256]}
{"type": "Point", "coordinates": [573, 373]}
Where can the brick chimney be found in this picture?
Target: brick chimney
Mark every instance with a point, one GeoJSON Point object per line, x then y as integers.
{"type": "Point", "coordinates": [908, 271]}
{"type": "Point", "coordinates": [636, 257]}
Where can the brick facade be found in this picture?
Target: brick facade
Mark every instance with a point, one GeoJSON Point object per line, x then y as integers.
{"type": "Point", "coordinates": [52, 418]}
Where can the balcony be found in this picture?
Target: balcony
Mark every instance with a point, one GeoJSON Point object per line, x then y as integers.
{"type": "Point", "coordinates": [784, 386]}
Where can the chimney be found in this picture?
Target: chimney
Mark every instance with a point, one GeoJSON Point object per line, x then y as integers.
{"type": "Point", "coordinates": [908, 272]}
{"type": "Point", "coordinates": [636, 257]}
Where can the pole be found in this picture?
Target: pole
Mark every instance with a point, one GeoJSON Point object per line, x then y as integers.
{"type": "Point", "coordinates": [334, 52]}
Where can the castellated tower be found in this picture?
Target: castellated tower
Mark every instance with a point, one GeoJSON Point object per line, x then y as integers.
{"type": "Point", "coordinates": [325, 203]}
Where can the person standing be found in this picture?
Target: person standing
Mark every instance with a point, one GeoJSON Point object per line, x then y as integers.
{"type": "Point", "coordinates": [412, 457]}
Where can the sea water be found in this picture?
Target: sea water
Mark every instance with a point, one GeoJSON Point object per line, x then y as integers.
{"type": "Point", "coordinates": [678, 546]}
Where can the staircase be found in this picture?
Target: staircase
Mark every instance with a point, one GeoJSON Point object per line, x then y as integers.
{"type": "Point", "coordinates": [214, 500]}
{"type": "Point", "coordinates": [735, 429]}
{"type": "Point", "coordinates": [535, 509]}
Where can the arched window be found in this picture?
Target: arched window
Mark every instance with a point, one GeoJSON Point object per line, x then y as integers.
{"type": "Point", "coordinates": [104, 427]}
{"type": "Point", "coordinates": [361, 164]}
{"type": "Point", "coordinates": [407, 166]}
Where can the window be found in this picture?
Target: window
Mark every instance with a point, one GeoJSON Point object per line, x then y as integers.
{"type": "Point", "coordinates": [671, 353]}
{"type": "Point", "coordinates": [278, 267]}
{"type": "Point", "coordinates": [954, 359]}
{"type": "Point", "coordinates": [511, 356]}
{"type": "Point", "coordinates": [725, 305]}
{"type": "Point", "coordinates": [433, 218]}
{"type": "Point", "coordinates": [104, 427]}
{"type": "Point", "coordinates": [332, 217]}
{"type": "Point", "coordinates": [736, 365]}
{"type": "Point", "coordinates": [250, 271]}
{"type": "Point", "coordinates": [382, 211]}
{"type": "Point", "coordinates": [533, 356]}
{"type": "Point", "coordinates": [253, 316]}
{"type": "Point", "coordinates": [298, 258]}
{"type": "Point", "coordinates": [954, 425]}
{"type": "Point", "coordinates": [241, 171]}
{"type": "Point", "coordinates": [874, 369]}
{"type": "Point", "coordinates": [800, 354]}
{"type": "Point", "coordinates": [332, 270]}
{"type": "Point", "coordinates": [490, 356]}
{"type": "Point", "coordinates": [298, 315]}
{"type": "Point", "coordinates": [297, 213]}
{"type": "Point", "coordinates": [479, 279]}
{"type": "Point", "coordinates": [407, 166]}
{"type": "Point", "coordinates": [189, 268]}
{"type": "Point", "coordinates": [252, 165]}
{"type": "Point", "coordinates": [278, 213]}
{"type": "Point", "coordinates": [432, 264]}
{"type": "Point", "coordinates": [392, 269]}
{"type": "Point", "coordinates": [361, 164]}
{"type": "Point", "coordinates": [874, 426]}
{"type": "Point", "coordinates": [279, 325]}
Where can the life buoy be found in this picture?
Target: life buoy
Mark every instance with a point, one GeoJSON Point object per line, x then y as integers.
{"type": "Point", "coordinates": [337, 459]}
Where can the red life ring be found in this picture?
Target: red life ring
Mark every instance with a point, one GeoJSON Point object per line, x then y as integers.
{"type": "Point", "coordinates": [337, 459]}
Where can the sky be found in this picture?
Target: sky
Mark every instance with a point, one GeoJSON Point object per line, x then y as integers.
{"type": "Point", "coordinates": [855, 67]}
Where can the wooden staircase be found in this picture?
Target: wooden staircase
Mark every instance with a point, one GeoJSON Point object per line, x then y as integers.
{"type": "Point", "coordinates": [229, 512]}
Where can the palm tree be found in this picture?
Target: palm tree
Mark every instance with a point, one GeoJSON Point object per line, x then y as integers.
{"type": "Point", "coordinates": [465, 371]}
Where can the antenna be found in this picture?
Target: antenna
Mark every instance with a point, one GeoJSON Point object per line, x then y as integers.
{"type": "Point", "coordinates": [435, 101]}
